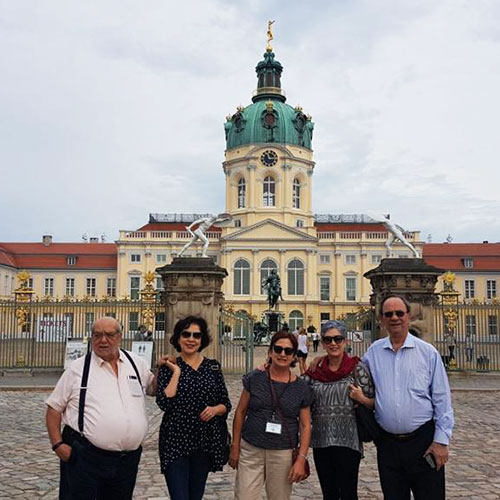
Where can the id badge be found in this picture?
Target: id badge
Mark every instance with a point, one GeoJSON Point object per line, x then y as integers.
{"type": "Point", "coordinates": [134, 386]}
{"type": "Point", "coordinates": [273, 427]}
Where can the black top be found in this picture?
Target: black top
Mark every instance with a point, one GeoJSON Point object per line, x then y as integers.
{"type": "Point", "coordinates": [292, 396]}
{"type": "Point", "coordinates": [182, 431]}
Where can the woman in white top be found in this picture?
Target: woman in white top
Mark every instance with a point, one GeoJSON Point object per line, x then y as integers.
{"type": "Point", "coordinates": [302, 350]}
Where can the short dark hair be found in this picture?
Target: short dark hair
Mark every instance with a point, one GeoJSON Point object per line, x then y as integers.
{"type": "Point", "coordinates": [184, 323]}
{"type": "Point", "coordinates": [287, 336]}
{"type": "Point", "coordinates": [394, 296]}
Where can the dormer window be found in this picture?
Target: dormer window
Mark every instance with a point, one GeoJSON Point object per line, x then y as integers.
{"type": "Point", "coordinates": [468, 262]}
{"type": "Point", "coordinates": [71, 261]}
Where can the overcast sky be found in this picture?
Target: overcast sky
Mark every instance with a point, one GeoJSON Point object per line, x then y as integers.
{"type": "Point", "coordinates": [111, 110]}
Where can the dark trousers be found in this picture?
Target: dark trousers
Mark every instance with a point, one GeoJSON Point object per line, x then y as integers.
{"type": "Point", "coordinates": [186, 477]}
{"type": "Point", "coordinates": [402, 468]}
{"type": "Point", "coordinates": [337, 468]}
{"type": "Point", "coordinates": [91, 475]}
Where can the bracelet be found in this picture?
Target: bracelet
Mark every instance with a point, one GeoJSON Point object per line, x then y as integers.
{"type": "Point", "coordinates": [303, 456]}
{"type": "Point", "coordinates": [54, 447]}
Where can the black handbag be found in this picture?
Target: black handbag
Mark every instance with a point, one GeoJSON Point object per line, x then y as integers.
{"type": "Point", "coordinates": [368, 428]}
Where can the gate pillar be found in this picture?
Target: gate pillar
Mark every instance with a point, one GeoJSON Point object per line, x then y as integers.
{"type": "Point", "coordinates": [416, 281]}
{"type": "Point", "coordinates": [193, 287]}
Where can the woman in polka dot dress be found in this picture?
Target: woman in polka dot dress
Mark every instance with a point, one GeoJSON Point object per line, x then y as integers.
{"type": "Point", "coordinates": [194, 398]}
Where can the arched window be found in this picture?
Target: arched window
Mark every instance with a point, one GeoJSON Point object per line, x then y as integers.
{"type": "Point", "coordinates": [295, 320]}
{"type": "Point", "coordinates": [295, 278]}
{"type": "Point", "coordinates": [241, 277]}
{"type": "Point", "coordinates": [269, 192]}
{"type": "Point", "coordinates": [265, 270]}
{"type": "Point", "coordinates": [296, 194]}
{"type": "Point", "coordinates": [241, 193]}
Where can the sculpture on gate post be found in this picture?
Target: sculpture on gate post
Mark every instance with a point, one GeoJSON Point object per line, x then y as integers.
{"type": "Point", "coordinates": [203, 225]}
{"type": "Point", "coordinates": [395, 232]}
{"type": "Point", "coordinates": [273, 286]}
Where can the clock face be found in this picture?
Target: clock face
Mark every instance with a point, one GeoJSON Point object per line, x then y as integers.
{"type": "Point", "coordinates": [269, 158]}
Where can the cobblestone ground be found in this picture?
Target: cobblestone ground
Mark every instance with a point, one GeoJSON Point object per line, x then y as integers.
{"type": "Point", "coordinates": [28, 469]}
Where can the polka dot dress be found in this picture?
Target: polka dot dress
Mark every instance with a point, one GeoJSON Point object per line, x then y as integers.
{"type": "Point", "coordinates": [182, 431]}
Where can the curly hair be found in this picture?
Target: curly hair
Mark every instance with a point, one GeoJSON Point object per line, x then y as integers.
{"type": "Point", "coordinates": [184, 323]}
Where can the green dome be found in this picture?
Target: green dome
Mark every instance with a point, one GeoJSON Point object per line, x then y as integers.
{"type": "Point", "coordinates": [269, 119]}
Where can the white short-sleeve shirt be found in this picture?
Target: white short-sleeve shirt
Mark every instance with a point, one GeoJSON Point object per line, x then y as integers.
{"type": "Point", "coordinates": [115, 416]}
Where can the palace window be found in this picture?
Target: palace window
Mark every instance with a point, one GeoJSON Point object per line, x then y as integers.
{"type": "Point", "coordinates": [135, 258]}
{"type": "Point", "coordinates": [71, 261]}
{"type": "Point", "coordinates": [90, 288]}
{"type": "Point", "coordinates": [241, 193]}
{"type": "Point", "coordinates": [350, 259]}
{"type": "Point", "coordinates": [491, 289]}
{"type": "Point", "coordinates": [135, 287]}
{"type": "Point", "coordinates": [470, 289]}
{"type": "Point", "coordinates": [111, 287]}
{"type": "Point", "coordinates": [324, 258]}
{"type": "Point", "coordinates": [468, 262]}
{"type": "Point", "coordinates": [161, 258]}
{"type": "Point", "coordinates": [295, 278]}
{"type": "Point", "coordinates": [296, 194]}
{"type": "Point", "coordinates": [324, 288]}
{"type": "Point", "coordinates": [470, 324]}
{"type": "Point", "coordinates": [70, 287]}
{"type": "Point", "coordinates": [133, 321]}
{"type": "Point", "coordinates": [89, 320]}
{"type": "Point", "coordinates": [269, 199]}
{"type": "Point", "coordinates": [295, 320]}
{"type": "Point", "coordinates": [241, 274]}
{"type": "Point", "coordinates": [159, 284]}
{"type": "Point", "coordinates": [376, 258]}
{"type": "Point", "coordinates": [237, 222]}
{"type": "Point", "coordinates": [265, 270]}
{"type": "Point", "coordinates": [324, 317]}
{"type": "Point", "coordinates": [350, 289]}
{"type": "Point", "coordinates": [48, 287]}
{"type": "Point", "coordinates": [493, 325]}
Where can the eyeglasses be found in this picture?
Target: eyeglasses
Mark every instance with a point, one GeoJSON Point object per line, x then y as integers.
{"type": "Point", "coordinates": [187, 335]}
{"type": "Point", "coordinates": [390, 314]}
{"type": "Point", "coordinates": [100, 335]}
{"type": "Point", "coordinates": [288, 350]}
{"type": "Point", "coordinates": [328, 339]}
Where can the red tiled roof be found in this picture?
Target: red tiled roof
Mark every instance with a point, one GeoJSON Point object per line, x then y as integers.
{"type": "Point", "coordinates": [54, 256]}
{"type": "Point", "coordinates": [485, 256]}
{"type": "Point", "coordinates": [6, 258]}
{"type": "Point", "coordinates": [171, 226]}
{"type": "Point", "coordinates": [349, 227]}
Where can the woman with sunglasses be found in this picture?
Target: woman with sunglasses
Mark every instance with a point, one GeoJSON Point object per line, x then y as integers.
{"type": "Point", "coordinates": [272, 418]}
{"type": "Point", "coordinates": [338, 381]}
{"type": "Point", "coordinates": [194, 398]}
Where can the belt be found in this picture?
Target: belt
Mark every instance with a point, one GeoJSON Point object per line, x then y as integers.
{"type": "Point", "coordinates": [107, 453]}
{"type": "Point", "coordinates": [402, 437]}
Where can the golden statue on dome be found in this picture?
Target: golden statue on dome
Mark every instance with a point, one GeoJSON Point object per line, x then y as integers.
{"type": "Point", "coordinates": [269, 36]}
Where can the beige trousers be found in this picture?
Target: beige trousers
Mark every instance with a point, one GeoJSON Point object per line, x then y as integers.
{"type": "Point", "coordinates": [258, 467]}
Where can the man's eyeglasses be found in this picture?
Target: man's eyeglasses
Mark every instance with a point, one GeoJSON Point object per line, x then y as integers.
{"type": "Point", "coordinates": [100, 335]}
{"type": "Point", "coordinates": [328, 339]}
{"type": "Point", "coordinates": [288, 350]}
{"type": "Point", "coordinates": [187, 335]}
{"type": "Point", "coordinates": [390, 314]}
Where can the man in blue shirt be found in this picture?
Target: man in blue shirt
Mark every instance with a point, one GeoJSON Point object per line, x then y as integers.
{"type": "Point", "coordinates": [413, 407]}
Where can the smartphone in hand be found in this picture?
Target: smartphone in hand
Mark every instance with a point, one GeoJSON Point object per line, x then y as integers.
{"type": "Point", "coordinates": [429, 458]}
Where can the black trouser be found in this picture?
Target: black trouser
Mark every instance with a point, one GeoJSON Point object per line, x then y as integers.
{"type": "Point", "coordinates": [337, 468]}
{"type": "Point", "coordinates": [92, 474]}
{"type": "Point", "coordinates": [402, 468]}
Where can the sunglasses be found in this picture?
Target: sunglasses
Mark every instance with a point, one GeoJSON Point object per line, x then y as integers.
{"type": "Point", "coordinates": [390, 314]}
{"type": "Point", "coordinates": [187, 335]}
{"type": "Point", "coordinates": [338, 339]}
{"type": "Point", "coordinates": [288, 350]}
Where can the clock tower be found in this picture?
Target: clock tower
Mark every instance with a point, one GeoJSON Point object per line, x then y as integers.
{"type": "Point", "coordinates": [268, 159]}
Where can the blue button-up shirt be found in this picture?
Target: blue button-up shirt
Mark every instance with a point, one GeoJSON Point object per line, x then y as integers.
{"type": "Point", "coordinates": [411, 387]}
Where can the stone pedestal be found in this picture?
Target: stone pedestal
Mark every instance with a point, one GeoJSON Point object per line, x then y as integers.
{"type": "Point", "coordinates": [193, 287]}
{"type": "Point", "coordinates": [274, 320]}
{"type": "Point", "coordinates": [416, 281]}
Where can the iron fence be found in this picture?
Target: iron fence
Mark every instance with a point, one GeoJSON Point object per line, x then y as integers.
{"type": "Point", "coordinates": [467, 335]}
{"type": "Point", "coordinates": [236, 342]}
{"type": "Point", "coordinates": [34, 333]}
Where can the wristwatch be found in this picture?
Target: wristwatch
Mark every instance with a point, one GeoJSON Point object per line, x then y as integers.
{"type": "Point", "coordinates": [54, 447]}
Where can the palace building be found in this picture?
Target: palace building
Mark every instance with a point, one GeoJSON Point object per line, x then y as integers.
{"type": "Point", "coordinates": [269, 171]}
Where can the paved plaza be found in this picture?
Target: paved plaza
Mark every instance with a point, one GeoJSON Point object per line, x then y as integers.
{"type": "Point", "coordinates": [28, 469]}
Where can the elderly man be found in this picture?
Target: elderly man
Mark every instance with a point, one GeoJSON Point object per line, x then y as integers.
{"type": "Point", "coordinates": [413, 407]}
{"type": "Point", "coordinates": [100, 400]}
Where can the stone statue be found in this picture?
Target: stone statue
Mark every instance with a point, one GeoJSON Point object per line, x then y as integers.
{"type": "Point", "coordinates": [203, 225]}
{"type": "Point", "coordinates": [273, 286]}
{"type": "Point", "coordinates": [396, 232]}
